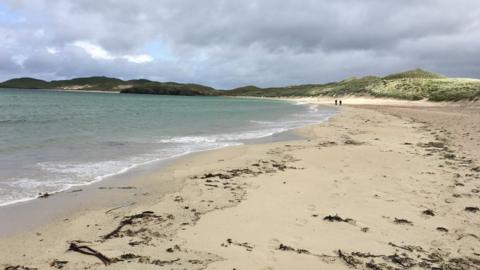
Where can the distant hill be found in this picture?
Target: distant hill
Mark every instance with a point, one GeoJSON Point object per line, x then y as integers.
{"type": "Point", "coordinates": [98, 83]}
{"type": "Point", "coordinates": [412, 85]}
{"type": "Point", "coordinates": [25, 83]}
{"type": "Point", "coordinates": [101, 83]}
{"type": "Point", "coordinates": [171, 88]}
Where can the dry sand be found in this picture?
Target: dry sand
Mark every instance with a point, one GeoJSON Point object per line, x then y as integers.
{"type": "Point", "coordinates": [383, 187]}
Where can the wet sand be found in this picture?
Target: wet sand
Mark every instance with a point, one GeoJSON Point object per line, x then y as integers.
{"type": "Point", "coordinates": [377, 187]}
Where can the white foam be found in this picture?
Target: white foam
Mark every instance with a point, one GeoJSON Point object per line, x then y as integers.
{"type": "Point", "coordinates": [262, 122]}
{"type": "Point", "coordinates": [60, 176]}
{"type": "Point", "coordinates": [187, 139]}
{"type": "Point", "coordinates": [25, 189]}
{"type": "Point", "coordinates": [221, 138]}
{"type": "Point", "coordinates": [63, 175]}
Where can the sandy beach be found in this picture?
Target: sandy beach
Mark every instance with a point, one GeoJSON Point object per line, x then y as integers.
{"type": "Point", "coordinates": [393, 186]}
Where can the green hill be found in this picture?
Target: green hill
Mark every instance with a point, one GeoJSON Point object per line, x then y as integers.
{"type": "Point", "coordinates": [171, 88]}
{"type": "Point", "coordinates": [30, 83]}
{"type": "Point", "coordinates": [101, 83]}
{"type": "Point", "coordinates": [412, 85]}
{"type": "Point", "coordinates": [88, 83]}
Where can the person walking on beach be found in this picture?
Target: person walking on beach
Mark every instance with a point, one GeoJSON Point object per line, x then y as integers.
{"type": "Point", "coordinates": [336, 102]}
{"type": "Point", "coordinates": [340, 102]}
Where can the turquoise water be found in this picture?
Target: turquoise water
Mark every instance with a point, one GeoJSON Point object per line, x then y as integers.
{"type": "Point", "coordinates": [51, 141]}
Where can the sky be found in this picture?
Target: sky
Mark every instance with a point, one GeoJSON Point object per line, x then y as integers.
{"type": "Point", "coordinates": [227, 43]}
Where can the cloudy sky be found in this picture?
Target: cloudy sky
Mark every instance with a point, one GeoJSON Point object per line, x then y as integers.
{"type": "Point", "coordinates": [227, 43]}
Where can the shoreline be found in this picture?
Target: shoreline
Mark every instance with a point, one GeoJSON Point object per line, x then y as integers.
{"type": "Point", "coordinates": [126, 176]}
{"type": "Point", "coordinates": [364, 101]}
{"type": "Point", "coordinates": [266, 196]}
{"type": "Point", "coordinates": [84, 91]}
{"type": "Point", "coordinates": [66, 90]}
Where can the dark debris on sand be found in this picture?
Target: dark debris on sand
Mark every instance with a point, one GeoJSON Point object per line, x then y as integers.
{"type": "Point", "coordinates": [44, 195]}
{"type": "Point", "coordinates": [297, 250]}
{"type": "Point", "coordinates": [402, 221]}
{"type": "Point", "coordinates": [18, 267]}
{"type": "Point", "coordinates": [337, 218]}
{"type": "Point", "coordinates": [58, 264]}
{"type": "Point", "coordinates": [442, 229]}
{"type": "Point", "coordinates": [353, 142]}
{"type": "Point", "coordinates": [86, 250]}
{"type": "Point", "coordinates": [146, 216]}
{"type": "Point", "coordinates": [246, 245]}
{"type": "Point", "coordinates": [428, 212]}
{"type": "Point", "coordinates": [472, 209]}
{"type": "Point", "coordinates": [408, 257]}
{"type": "Point", "coordinates": [260, 167]}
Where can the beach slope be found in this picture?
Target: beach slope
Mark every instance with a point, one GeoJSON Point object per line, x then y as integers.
{"type": "Point", "coordinates": [373, 188]}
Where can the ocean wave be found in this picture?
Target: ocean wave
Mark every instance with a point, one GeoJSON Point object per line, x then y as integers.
{"type": "Point", "coordinates": [261, 122]}
{"type": "Point", "coordinates": [25, 189]}
{"type": "Point", "coordinates": [25, 183]}
{"type": "Point", "coordinates": [187, 139]}
{"type": "Point", "coordinates": [60, 176]}
{"type": "Point", "coordinates": [228, 137]}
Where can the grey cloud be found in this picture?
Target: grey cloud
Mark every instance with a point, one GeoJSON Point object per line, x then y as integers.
{"type": "Point", "coordinates": [233, 43]}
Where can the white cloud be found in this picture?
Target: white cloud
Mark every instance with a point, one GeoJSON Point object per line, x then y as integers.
{"type": "Point", "coordinates": [97, 52]}
{"type": "Point", "coordinates": [139, 59]}
{"type": "Point", "coordinates": [52, 50]}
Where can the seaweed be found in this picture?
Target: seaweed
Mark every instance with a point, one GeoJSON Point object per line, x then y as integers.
{"type": "Point", "coordinates": [90, 251]}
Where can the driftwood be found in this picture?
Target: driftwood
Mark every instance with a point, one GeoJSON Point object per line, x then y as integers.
{"type": "Point", "coordinates": [90, 251]}
{"type": "Point", "coordinates": [128, 221]}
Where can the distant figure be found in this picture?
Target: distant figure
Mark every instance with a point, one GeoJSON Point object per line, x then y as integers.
{"type": "Point", "coordinates": [340, 103]}
{"type": "Point", "coordinates": [336, 102]}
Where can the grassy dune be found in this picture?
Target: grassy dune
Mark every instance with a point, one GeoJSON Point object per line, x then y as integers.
{"type": "Point", "coordinates": [447, 89]}
{"type": "Point", "coordinates": [411, 85]}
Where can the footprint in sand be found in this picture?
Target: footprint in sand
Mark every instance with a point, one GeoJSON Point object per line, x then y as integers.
{"type": "Point", "coordinates": [334, 195]}
{"type": "Point", "coordinates": [296, 240]}
{"type": "Point", "coordinates": [301, 222]}
{"type": "Point", "coordinates": [273, 243]}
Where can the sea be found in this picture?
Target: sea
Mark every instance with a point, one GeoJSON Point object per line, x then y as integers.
{"type": "Point", "coordinates": [51, 141]}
